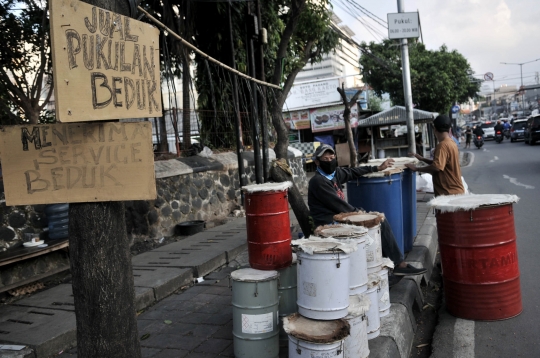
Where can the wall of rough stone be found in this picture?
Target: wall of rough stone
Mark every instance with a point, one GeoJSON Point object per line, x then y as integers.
{"type": "Point", "coordinates": [193, 188]}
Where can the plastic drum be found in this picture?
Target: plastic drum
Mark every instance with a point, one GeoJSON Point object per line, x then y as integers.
{"type": "Point", "coordinates": [477, 242]}
{"type": "Point", "coordinates": [371, 221]}
{"type": "Point", "coordinates": [313, 339]}
{"type": "Point", "coordinates": [255, 313]}
{"type": "Point", "coordinates": [323, 278]}
{"type": "Point", "coordinates": [356, 345]}
{"type": "Point", "coordinates": [374, 320]}
{"type": "Point", "coordinates": [268, 225]}
{"type": "Point", "coordinates": [358, 272]}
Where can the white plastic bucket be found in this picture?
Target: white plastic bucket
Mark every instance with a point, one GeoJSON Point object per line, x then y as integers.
{"type": "Point", "coordinates": [374, 249]}
{"type": "Point", "coordinates": [356, 345]}
{"type": "Point", "coordinates": [384, 293]}
{"type": "Point", "coordinates": [302, 349]}
{"type": "Point", "coordinates": [323, 282]}
{"type": "Point", "coordinates": [374, 320]}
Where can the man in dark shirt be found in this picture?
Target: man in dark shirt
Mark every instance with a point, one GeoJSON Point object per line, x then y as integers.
{"type": "Point", "coordinates": [326, 199]}
{"type": "Point", "coordinates": [499, 127]}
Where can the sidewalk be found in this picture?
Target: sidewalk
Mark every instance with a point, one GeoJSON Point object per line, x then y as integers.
{"type": "Point", "coordinates": [180, 319]}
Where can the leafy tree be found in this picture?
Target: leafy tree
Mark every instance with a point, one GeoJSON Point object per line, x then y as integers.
{"type": "Point", "coordinates": [25, 60]}
{"type": "Point", "coordinates": [438, 78]}
{"type": "Point", "coordinates": [375, 103]}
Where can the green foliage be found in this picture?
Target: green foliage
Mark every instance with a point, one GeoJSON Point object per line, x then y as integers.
{"type": "Point", "coordinates": [375, 103]}
{"type": "Point", "coordinates": [438, 78]}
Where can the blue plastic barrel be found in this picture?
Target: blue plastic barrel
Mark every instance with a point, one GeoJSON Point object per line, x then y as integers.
{"type": "Point", "coordinates": [382, 194]}
{"type": "Point", "coordinates": [58, 216]}
{"type": "Point", "coordinates": [409, 208]}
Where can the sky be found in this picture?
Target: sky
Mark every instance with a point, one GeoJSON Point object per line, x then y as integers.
{"type": "Point", "coordinates": [486, 32]}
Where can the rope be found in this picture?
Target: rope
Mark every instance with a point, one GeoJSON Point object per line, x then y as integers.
{"type": "Point", "coordinates": [185, 43]}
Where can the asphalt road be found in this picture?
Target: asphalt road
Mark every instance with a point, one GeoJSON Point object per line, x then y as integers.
{"type": "Point", "coordinates": [506, 168]}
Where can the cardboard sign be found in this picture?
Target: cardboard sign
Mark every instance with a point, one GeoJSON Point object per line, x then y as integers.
{"type": "Point", "coordinates": [106, 66]}
{"type": "Point", "coordinates": [70, 163]}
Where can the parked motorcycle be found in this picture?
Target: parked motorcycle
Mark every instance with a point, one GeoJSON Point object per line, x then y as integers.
{"type": "Point", "coordinates": [478, 141]}
{"type": "Point", "coordinates": [498, 137]}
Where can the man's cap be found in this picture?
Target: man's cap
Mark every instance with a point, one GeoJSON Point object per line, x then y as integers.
{"type": "Point", "coordinates": [442, 123]}
{"type": "Point", "coordinates": [321, 149]}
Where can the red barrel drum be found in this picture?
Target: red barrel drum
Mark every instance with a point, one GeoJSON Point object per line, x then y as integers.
{"type": "Point", "coordinates": [479, 256]}
{"type": "Point", "coordinates": [268, 225]}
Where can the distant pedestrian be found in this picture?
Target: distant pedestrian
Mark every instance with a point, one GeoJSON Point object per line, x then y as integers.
{"type": "Point", "coordinates": [468, 136]}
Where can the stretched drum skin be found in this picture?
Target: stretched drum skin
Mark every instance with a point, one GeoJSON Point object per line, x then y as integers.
{"type": "Point", "coordinates": [480, 263]}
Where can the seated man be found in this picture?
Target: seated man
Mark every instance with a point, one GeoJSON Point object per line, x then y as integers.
{"type": "Point", "coordinates": [326, 199]}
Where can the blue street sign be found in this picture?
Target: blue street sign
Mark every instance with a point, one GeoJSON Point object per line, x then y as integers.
{"type": "Point", "coordinates": [455, 109]}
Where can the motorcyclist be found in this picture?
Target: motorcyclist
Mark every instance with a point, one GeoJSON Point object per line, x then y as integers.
{"type": "Point", "coordinates": [506, 128]}
{"type": "Point", "coordinates": [498, 127]}
{"type": "Point", "coordinates": [478, 131]}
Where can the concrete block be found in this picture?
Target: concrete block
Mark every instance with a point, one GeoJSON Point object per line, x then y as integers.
{"type": "Point", "coordinates": [144, 297]}
{"type": "Point", "coordinates": [58, 298]}
{"type": "Point", "coordinates": [428, 227]}
{"type": "Point", "coordinates": [420, 256]}
{"type": "Point", "coordinates": [398, 326]}
{"type": "Point", "coordinates": [430, 242]}
{"type": "Point", "coordinates": [46, 331]}
{"type": "Point", "coordinates": [201, 261]}
{"type": "Point", "coordinates": [23, 353]}
{"type": "Point", "coordinates": [383, 347]}
{"type": "Point", "coordinates": [407, 293]}
{"type": "Point", "coordinates": [163, 280]}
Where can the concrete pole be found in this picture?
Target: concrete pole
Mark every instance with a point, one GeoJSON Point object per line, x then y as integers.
{"type": "Point", "coordinates": [407, 87]}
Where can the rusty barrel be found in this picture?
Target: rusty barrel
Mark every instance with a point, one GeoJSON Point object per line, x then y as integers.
{"type": "Point", "coordinates": [477, 242]}
{"type": "Point", "coordinates": [268, 225]}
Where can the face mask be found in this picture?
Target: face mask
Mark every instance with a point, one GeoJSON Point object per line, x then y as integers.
{"type": "Point", "coordinates": [328, 167]}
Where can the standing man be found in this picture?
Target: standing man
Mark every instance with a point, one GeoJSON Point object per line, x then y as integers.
{"type": "Point", "coordinates": [326, 199]}
{"type": "Point", "coordinates": [444, 167]}
{"type": "Point", "coordinates": [468, 136]}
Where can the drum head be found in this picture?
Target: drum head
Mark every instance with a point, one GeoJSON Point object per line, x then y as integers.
{"type": "Point", "coordinates": [267, 187]}
{"type": "Point", "coordinates": [465, 202]}
{"type": "Point", "coordinates": [368, 220]}
{"type": "Point", "coordinates": [326, 246]}
{"type": "Point", "coordinates": [315, 331]}
{"type": "Point", "coordinates": [385, 173]}
{"type": "Point", "coordinates": [252, 275]}
{"type": "Point", "coordinates": [340, 231]}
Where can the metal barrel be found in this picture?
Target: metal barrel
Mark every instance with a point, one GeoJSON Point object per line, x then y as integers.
{"type": "Point", "coordinates": [255, 315]}
{"type": "Point", "coordinates": [287, 298]}
{"type": "Point", "coordinates": [383, 194]}
{"type": "Point", "coordinates": [58, 218]}
{"type": "Point", "coordinates": [480, 263]}
{"type": "Point", "coordinates": [408, 188]}
{"type": "Point", "coordinates": [268, 229]}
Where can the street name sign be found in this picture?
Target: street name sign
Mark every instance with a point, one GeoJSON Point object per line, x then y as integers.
{"type": "Point", "coordinates": [106, 65]}
{"type": "Point", "coordinates": [403, 25]}
{"type": "Point", "coordinates": [77, 162]}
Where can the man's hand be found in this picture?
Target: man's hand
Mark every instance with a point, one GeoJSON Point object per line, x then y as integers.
{"type": "Point", "coordinates": [416, 155]}
{"type": "Point", "coordinates": [411, 167]}
{"type": "Point", "coordinates": [387, 163]}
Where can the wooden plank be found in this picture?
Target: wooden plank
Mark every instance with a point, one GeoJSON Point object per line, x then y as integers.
{"type": "Point", "coordinates": [70, 163]}
{"type": "Point", "coordinates": [106, 66]}
{"type": "Point", "coordinates": [343, 155]}
{"type": "Point", "coordinates": [24, 253]}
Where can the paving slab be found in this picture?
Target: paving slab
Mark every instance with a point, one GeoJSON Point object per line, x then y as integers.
{"type": "Point", "coordinates": [407, 293]}
{"type": "Point", "coordinates": [163, 280]}
{"type": "Point", "coordinates": [398, 326]}
{"type": "Point", "coordinates": [201, 261]}
{"type": "Point", "coordinates": [23, 353]}
{"type": "Point", "coordinates": [46, 331]}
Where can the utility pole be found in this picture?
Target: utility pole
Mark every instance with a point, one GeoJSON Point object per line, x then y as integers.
{"type": "Point", "coordinates": [407, 90]}
{"type": "Point", "coordinates": [262, 108]}
{"type": "Point", "coordinates": [521, 71]}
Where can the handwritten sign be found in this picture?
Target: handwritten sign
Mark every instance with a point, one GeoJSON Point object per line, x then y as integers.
{"type": "Point", "coordinates": [106, 66]}
{"type": "Point", "coordinates": [77, 162]}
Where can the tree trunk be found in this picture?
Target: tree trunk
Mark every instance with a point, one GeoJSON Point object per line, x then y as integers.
{"type": "Point", "coordinates": [298, 205]}
{"type": "Point", "coordinates": [102, 276]}
{"type": "Point", "coordinates": [347, 119]}
{"type": "Point", "coordinates": [163, 143]}
{"type": "Point", "coordinates": [186, 113]}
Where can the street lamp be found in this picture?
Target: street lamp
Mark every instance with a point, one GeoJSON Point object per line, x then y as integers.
{"type": "Point", "coordinates": [521, 70]}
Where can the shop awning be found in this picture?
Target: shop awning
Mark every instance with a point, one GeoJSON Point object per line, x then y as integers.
{"type": "Point", "coordinates": [397, 115]}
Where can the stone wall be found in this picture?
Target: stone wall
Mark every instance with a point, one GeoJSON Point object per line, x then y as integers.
{"type": "Point", "coordinates": [193, 188]}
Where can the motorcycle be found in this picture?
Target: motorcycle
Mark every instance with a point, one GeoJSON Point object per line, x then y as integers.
{"type": "Point", "coordinates": [478, 141]}
{"type": "Point", "coordinates": [506, 133]}
{"type": "Point", "coordinates": [498, 137]}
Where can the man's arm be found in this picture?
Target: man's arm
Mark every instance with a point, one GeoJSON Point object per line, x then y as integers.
{"type": "Point", "coordinates": [420, 158]}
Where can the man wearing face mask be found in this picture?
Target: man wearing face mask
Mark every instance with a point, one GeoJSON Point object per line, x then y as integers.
{"type": "Point", "coordinates": [326, 199]}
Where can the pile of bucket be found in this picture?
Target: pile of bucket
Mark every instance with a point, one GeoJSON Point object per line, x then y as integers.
{"type": "Point", "coordinates": [325, 299]}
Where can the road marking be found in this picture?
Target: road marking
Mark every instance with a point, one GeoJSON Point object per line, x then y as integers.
{"type": "Point", "coordinates": [463, 346]}
{"type": "Point", "coordinates": [494, 159]}
{"type": "Point", "coordinates": [515, 182]}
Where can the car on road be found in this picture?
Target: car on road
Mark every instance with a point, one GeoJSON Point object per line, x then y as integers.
{"type": "Point", "coordinates": [489, 129]}
{"type": "Point", "coordinates": [517, 130]}
{"type": "Point", "coordinates": [532, 130]}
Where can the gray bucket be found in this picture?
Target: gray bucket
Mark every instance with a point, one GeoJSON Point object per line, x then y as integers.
{"type": "Point", "coordinates": [255, 303]}
{"type": "Point", "coordinates": [287, 297]}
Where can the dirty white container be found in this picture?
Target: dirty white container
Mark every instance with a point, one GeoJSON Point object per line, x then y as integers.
{"type": "Point", "coordinates": [358, 270]}
{"type": "Point", "coordinates": [287, 287]}
{"type": "Point", "coordinates": [356, 345]}
{"type": "Point", "coordinates": [255, 313]}
{"type": "Point", "coordinates": [374, 320]}
{"type": "Point", "coordinates": [323, 277]}
{"type": "Point", "coordinates": [315, 339]}
{"type": "Point", "coordinates": [384, 288]}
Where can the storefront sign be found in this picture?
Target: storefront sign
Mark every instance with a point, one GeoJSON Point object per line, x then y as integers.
{"type": "Point", "coordinates": [69, 163]}
{"type": "Point", "coordinates": [106, 65]}
{"type": "Point", "coordinates": [331, 118]}
{"type": "Point", "coordinates": [314, 94]}
{"type": "Point", "coordinates": [297, 120]}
